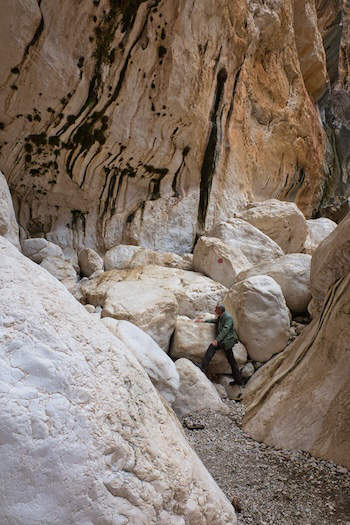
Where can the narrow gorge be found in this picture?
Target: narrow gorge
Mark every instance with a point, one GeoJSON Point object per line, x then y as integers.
{"type": "Point", "coordinates": [159, 158]}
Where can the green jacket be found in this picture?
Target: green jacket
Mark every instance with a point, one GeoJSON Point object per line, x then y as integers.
{"type": "Point", "coordinates": [225, 330]}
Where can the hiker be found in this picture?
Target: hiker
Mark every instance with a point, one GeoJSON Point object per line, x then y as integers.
{"type": "Point", "coordinates": [226, 338]}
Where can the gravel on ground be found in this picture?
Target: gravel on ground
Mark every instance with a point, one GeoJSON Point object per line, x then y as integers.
{"type": "Point", "coordinates": [268, 486]}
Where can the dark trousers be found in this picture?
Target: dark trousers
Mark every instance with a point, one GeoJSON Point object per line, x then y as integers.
{"type": "Point", "coordinates": [209, 354]}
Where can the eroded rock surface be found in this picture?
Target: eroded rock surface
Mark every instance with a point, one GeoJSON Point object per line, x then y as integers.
{"type": "Point", "coordinates": [147, 123]}
{"type": "Point", "coordinates": [76, 410]}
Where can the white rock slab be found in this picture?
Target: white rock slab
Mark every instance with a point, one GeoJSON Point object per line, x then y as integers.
{"type": "Point", "coordinates": [196, 392]}
{"type": "Point", "coordinates": [292, 273]}
{"type": "Point", "coordinates": [261, 314]}
{"type": "Point", "coordinates": [230, 248]}
{"type": "Point", "coordinates": [85, 438]}
{"type": "Point", "coordinates": [8, 222]}
{"type": "Point", "coordinates": [38, 249]}
{"type": "Point", "coordinates": [126, 256]}
{"type": "Point", "coordinates": [89, 261]}
{"type": "Point", "coordinates": [281, 221]}
{"type": "Point", "coordinates": [191, 341]}
{"type": "Point", "coordinates": [318, 229]}
{"type": "Point", "coordinates": [159, 367]}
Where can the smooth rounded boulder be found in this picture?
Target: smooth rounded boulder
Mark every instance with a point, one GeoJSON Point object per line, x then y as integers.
{"type": "Point", "coordinates": [159, 367]}
{"type": "Point", "coordinates": [191, 340]}
{"type": "Point", "coordinates": [37, 249]}
{"type": "Point", "coordinates": [281, 221]}
{"type": "Point", "coordinates": [85, 437]}
{"type": "Point", "coordinates": [230, 248]}
{"type": "Point", "coordinates": [196, 392]}
{"type": "Point", "coordinates": [318, 230]}
{"type": "Point", "coordinates": [261, 316]}
{"type": "Point", "coordinates": [292, 273]}
{"type": "Point", "coordinates": [89, 261]}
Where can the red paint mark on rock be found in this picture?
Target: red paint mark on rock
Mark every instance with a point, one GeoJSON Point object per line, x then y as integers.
{"type": "Point", "coordinates": [220, 261]}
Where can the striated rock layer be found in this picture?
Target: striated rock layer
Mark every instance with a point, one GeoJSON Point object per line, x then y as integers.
{"type": "Point", "coordinates": [147, 122]}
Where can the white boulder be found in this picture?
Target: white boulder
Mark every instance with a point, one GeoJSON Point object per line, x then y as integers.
{"type": "Point", "coordinates": [38, 249]}
{"type": "Point", "coordinates": [261, 314]}
{"type": "Point", "coordinates": [8, 222]}
{"type": "Point", "coordinates": [191, 341]}
{"type": "Point", "coordinates": [292, 273]}
{"type": "Point", "coordinates": [281, 221]}
{"type": "Point", "coordinates": [61, 269]}
{"type": "Point", "coordinates": [230, 248]}
{"type": "Point", "coordinates": [318, 229]}
{"type": "Point", "coordinates": [126, 256]}
{"type": "Point", "coordinates": [152, 296]}
{"type": "Point", "coordinates": [89, 261]}
{"type": "Point", "coordinates": [159, 367]}
{"type": "Point", "coordinates": [85, 438]}
{"type": "Point", "coordinates": [196, 392]}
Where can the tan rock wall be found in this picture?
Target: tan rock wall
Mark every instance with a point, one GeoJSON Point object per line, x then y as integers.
{"type": "Point", "coordinates": [144, 124]}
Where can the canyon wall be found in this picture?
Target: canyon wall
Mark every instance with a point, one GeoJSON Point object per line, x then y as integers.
{"type": "Point", "coordinates": [145, 122]}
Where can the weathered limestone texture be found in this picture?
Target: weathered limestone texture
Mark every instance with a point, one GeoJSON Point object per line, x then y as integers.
{"type": "Point", "coordinates": [8, 223]}
{"type": "Point", "coordinates": [148, 122]}
{"type": "Point", "coordinates": [300, 399]}
{"type": "Point", "coordinates": [330, 262]}
{"type": "Point", "coordinates": [261, 316]}
{"type": "Point", "coordinates": [85, 437]}
{"type": "Point", "coordinates": [159, 367]}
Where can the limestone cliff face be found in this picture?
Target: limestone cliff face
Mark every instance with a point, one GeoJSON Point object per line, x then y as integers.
{"type": "Point", "coordinates": [334, 18]}
{"type": "Point", "coordinates": [145, 122]}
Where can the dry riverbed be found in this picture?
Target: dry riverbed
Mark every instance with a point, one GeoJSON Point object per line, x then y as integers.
{"type": "Point", "coordinates": [268, 486]}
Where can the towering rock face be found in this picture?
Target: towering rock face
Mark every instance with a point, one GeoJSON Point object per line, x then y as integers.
{"type": "Point", "coordinates": [334, 24]}
{"type": "Point", "coordinates": [145, 122]}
